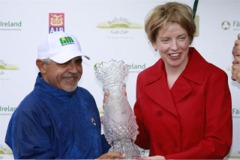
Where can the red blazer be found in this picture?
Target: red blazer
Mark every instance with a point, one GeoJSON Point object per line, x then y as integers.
{"type": "Point", "coordinates": [193, 119]}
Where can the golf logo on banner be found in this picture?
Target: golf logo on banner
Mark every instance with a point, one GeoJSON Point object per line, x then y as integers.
{"type": "Point", "coordinates": [56, 22]}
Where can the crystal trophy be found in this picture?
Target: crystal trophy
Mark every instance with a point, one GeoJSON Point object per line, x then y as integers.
{"type": "Point", "coordinates": [119, 123]}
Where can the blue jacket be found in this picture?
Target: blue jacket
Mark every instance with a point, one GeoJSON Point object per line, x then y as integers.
{"type": "Point", "coordinates": [52, 123]}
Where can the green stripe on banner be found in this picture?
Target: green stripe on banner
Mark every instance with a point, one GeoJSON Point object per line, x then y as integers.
{"type": "Point", "coordinates": [195, 5]}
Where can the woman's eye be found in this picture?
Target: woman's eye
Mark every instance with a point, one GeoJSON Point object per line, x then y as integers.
{"type": "Point", "coordinates": [164, 40]}
{"type": "Point", "coordinates": [182, 38]}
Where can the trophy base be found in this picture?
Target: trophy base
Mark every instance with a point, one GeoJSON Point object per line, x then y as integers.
{"type": "Point", "coordinates": [127, 147]}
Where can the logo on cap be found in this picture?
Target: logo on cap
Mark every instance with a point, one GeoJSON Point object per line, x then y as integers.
{"type": "Point", "coordinates": [66, 41]}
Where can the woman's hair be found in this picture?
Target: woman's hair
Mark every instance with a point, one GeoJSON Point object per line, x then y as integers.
{"type": "Point", "coordinates": [171, 12]}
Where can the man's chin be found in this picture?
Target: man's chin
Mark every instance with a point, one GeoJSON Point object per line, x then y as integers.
{"type": "Point", "coordinates": [70, 89]}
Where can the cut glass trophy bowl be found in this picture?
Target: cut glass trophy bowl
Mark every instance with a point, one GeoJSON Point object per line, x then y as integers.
{"type": "Point", "coordinates": [119, 123]}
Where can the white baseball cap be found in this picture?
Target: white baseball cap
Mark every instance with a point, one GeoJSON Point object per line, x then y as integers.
{"type": "Point", "coordinates": [59, 47]}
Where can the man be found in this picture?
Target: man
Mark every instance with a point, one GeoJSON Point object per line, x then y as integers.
{"type": "Point", "coordinates": [57, 119]}
{"type": "Point", "coordinates": [236, 61]}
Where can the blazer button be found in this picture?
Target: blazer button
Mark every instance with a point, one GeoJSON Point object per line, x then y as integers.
{"type": "Point", "coordinates": [178, 128]}
{"type": "Point", "coordinates": [175, 144]}
{"type": "Point", "coordinates": [159, 145]}
{"type": "Point", "coordinates": [159, 113]}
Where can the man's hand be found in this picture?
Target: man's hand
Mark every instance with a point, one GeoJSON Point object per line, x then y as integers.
{"type": "Point", "coordinates": [236, 49]}
{"type": "Point", "coordinates": [236, 72]}
{"type": "Point", "coordinates": [107, 94]}
{"type": "Point", "coordinates": [112, 155]}
{"type": "Point", "coordinates": [236, 61]}
{"type": "Point", "coordinates": [105, 98]}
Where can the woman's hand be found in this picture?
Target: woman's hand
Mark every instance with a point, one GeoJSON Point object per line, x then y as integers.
{"type": "Point", "coordinates": [112, 155]}
{"type": "Point", "coordinates": [152, 158]}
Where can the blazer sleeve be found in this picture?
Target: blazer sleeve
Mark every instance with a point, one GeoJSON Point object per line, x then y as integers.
{"type": "Point", "coordinates": [142, 140]}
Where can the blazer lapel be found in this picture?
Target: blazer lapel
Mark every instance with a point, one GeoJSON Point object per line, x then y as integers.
{"type": "Point", "coordinates": [157, 89]}
{"type": "Point", "coordinates": [180, 89]}
{"type": "Point", "coordinates": [193, 73]}
{"type": "Point", "coordinates": [160, 93]}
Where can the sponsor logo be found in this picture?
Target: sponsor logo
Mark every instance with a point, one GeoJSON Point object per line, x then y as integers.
{"type": "Point", "coordinates": [7, 110]}
{"type": "Point", "coordinates": [133, 67]}
{"type": "Point", "coordinates": [230, 25]}
{"type": "Point", "coordinates": [119, 27]}
{"type": "Point", "coordinates": [11, 25]}
{"type": "Point", "coordinates": [119, 23]}
{"type": "Point", "coordinates": [226, 25]}
{"type": "Point", "coordinates": [4, 149]}
{"type": "Point", "coordinates": [66, 41]}
{"type": "Point", "coordinates": [236, 25]}
{"type": "Point", "coordinates": [236, 112]}
{"type": "Point", "coordinates": [234, 154]}
{"type": "Point", "coordinates": [5, 66]}
{"type": "Point", "coordinates": [56, 22]}
{"type": "Point", "coordinates": [196, 20]}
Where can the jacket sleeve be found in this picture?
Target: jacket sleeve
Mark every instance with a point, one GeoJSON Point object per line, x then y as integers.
{"type": "Point", "coordinates": [218, 135]}
{"type": "Point", "coordinates": [105, 145]}
{"type": "Point", "coordinates": [27, 138]}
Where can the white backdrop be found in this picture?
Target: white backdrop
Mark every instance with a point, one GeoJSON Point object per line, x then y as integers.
{"type": "Point", "coordinates": [24, 22]}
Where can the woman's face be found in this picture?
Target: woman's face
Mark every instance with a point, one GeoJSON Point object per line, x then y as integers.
{"type": "Point", "coordinates": [172, 44]}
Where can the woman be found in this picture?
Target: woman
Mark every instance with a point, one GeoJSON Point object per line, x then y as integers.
{"type": "Point", "coordinates": [183, 106]}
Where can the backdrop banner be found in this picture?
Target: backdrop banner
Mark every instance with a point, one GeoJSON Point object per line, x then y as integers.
{"type": "Point", "coordinates": [106, 29]}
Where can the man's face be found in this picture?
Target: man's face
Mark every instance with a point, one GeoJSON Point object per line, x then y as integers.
{"type": "Point", "coordinates": [63, 76]}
